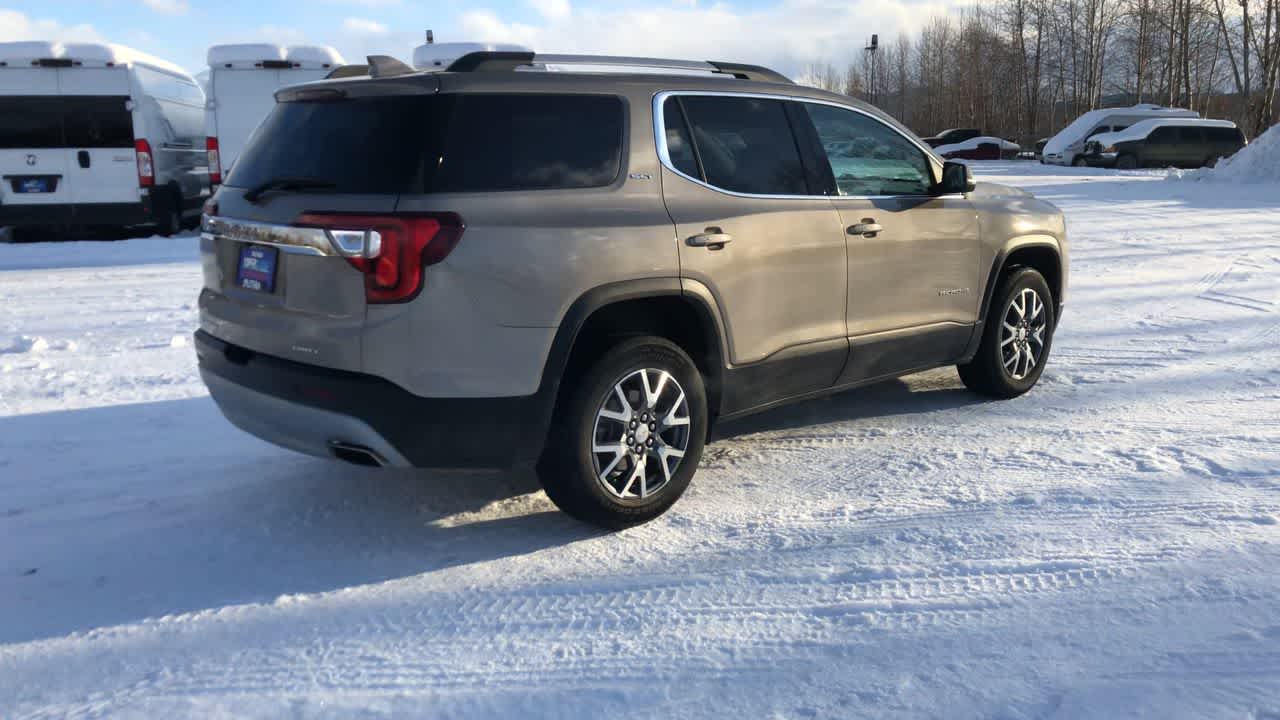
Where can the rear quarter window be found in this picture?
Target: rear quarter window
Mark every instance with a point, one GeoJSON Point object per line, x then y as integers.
{"type": "Point", "coordinates": [532, 142]}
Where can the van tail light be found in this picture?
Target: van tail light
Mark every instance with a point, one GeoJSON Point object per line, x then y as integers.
{"type": "Point", "coordinates": [392, 251]}
{"type": "Point", "coordinates": [215, 160]}
{"type": "Point", "coordinates": [146, 169]}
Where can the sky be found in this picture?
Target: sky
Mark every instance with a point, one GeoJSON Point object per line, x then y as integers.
{"type": "Point", "coordinates": [785, 34]}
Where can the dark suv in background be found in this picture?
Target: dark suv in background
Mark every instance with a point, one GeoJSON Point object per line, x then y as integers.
{"type": "Point", "coordinates": [483, 267]}
{"type": "Point", "coordinates": [952, 136]}
{"type": "Point", "coordinates": [1181, 143]}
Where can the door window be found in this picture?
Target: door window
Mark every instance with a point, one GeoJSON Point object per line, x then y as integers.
{"type": "Point", "coordinates": [679, 145]}
{"type": "Point", "coordinates": [65, 122]}
{"type": "Point", "coordinates": [1162, 136]}
{"type": "Point", "coordinates": [745, 144]}
{"type": "Point", "coordinates": [1190, 135]}
{"type": "Point", "coordinates": [867, 156]}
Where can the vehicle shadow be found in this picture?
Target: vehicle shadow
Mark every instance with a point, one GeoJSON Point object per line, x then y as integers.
{"type": "Point", "coordinates": [119, 514]}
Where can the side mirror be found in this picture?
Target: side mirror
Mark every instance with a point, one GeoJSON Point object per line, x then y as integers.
{"type": "Point", "coordinates": [956, 178]}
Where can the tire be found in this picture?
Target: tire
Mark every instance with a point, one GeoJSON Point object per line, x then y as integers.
{"type": "Point", "coordinates": [592, 414]}
{"type": "Point", "coordinates": [993, 371]}
{"type": "Point", "coordinates": [169, 214]}
{"type": "Point", "coordinates": [1126, 162]}
{"type": "Point", "coordinates": [1079, 162]}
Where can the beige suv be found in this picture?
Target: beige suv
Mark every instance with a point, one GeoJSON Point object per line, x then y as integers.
{"type": "Point", "coordinates": [586, 271]}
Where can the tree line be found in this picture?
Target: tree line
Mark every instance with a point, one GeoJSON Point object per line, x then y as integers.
{"type": "Point", "coordinates": [1023, 69]}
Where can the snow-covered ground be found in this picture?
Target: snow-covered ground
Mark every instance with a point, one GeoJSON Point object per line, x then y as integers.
{"type": "Point", "coordinates": [1106, 546]}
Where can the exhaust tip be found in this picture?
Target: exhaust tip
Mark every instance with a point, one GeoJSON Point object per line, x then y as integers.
{"type": "Point", "coordinates": [356, 454]}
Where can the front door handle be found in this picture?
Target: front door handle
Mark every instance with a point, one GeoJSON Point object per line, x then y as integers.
{"type": "Point", "coordinates": [866, 228]}
{"type": "Point", "coordinates": [712, 238]}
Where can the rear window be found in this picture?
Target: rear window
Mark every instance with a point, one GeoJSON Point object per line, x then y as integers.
{"type": "Point", "coordinates": [440, 143]}
{"type": "Point", "coordinates": [65, 122]}
{"type": "Point", "coordinates": [1223, 134]}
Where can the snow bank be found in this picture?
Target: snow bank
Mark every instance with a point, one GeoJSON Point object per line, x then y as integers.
{"type": "Point", "coordinates": [973, 143]}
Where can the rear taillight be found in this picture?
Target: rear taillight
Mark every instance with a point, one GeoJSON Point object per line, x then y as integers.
{"type": "Point", "coordinates": [391, 250]}
{"type": "Point", "coordinates": [146, 169]}
{"type": "Point", "coordinates": [215, 160]}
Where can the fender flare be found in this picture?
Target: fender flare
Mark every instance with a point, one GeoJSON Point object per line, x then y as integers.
{"type": "Point", "coordinates": [1011, 246]}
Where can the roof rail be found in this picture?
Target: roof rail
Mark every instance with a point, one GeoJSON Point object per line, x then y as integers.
{"type": "Point", "coordinates": [510, 61]}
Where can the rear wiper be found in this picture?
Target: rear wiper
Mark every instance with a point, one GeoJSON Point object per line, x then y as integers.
{"type": "Point", "coordinates": [286, 183]}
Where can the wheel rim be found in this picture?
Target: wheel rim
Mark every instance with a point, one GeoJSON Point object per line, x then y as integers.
{"type": "Point", "coordinates": [641, 434]}
{"type": "Point", "coordinates": [1022, 333]}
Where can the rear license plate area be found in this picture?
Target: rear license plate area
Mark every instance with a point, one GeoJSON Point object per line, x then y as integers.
{"type": "Point", "coordinates": [33, 184]}
{"type": "Point", "coordinates": [256, 268]}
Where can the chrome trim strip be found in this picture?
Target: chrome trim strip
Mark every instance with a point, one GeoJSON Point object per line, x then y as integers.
{"type": "Point", "coordinates": [664, 156]}
{"type": "Point", "coordinates": [294, 240]}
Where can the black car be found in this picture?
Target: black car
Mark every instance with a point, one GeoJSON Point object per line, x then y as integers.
{"type": "Point", "coordinates": [1187, 144]}
{"type": "Point", "coordinates": [954, 135]}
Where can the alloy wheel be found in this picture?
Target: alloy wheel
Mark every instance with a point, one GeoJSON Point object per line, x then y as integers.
{"type": "Point", "coordinates": [1022, 335]}
{"type": "Point", "coordinates": [641, 434]}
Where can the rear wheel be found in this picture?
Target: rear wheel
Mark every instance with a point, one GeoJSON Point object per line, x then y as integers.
{"type": "Point", "coordinates": [1126, 162]}
{"type": "Point", "coordinates": [1016, 338]}
{"type": "Point", "coordinates": [169, 213]}
{"type": "Point", "coordinates": [627, 439]}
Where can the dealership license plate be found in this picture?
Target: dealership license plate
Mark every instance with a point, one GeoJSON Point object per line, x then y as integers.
{"type": "Point", "coordinates": [256, 270]}
{"type": "Point", "coordinates": [33, 185]}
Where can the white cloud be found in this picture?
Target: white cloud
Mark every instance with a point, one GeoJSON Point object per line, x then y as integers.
{"type": "Point", "coordinates": [364, 26]}
{"type": "Point", "coordinates": [787, 35]}
{"type": "Point", "coordinates": [16, 26]}
{"type": "Point", "coordinates": [552, 9]}
{"type": "Point", "coordinates": [168, 7]}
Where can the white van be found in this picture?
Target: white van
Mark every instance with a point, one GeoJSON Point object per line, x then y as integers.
{"type": "Point", "coordinates": [439, 56]}
{"type": "Point", "coordinates": [98, 135]}
{"type": "Point", "coordinates": [242, 82]}
{"type": "Point", "coordinates": [1066, 147]}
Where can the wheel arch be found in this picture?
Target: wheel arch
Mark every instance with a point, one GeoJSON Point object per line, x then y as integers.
{"type": "Point", "coordinates": [656, 306]}
{"type": "Point", "coordinates": [1042, 253]}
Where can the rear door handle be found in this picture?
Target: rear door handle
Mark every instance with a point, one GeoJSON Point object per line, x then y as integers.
{"type": "Point", "coordinates": [866, 228]}
{"type": "Point", "coordinates": [713, 238]}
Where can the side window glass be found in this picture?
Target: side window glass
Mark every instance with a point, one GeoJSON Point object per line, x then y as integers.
{"type": "Point", "coordinates": [679, 146]}
{"type": "Point", "coordinates": [1190, 135]}
{"type": "Point", "coordinates": [1160, 136]}
{"type": "Point", "coordinates": [868, 157]}
{"type": "Point", "coordinates": [746, 145]}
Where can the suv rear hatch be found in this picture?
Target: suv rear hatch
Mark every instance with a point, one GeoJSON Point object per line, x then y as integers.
{"type": "Point", "coordinates": [304, 234]}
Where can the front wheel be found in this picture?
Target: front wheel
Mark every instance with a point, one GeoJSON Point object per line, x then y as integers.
{"type": "Point", "coordinates": [627, 439]}
{"type": "Point", "coordinates": [1080, 162]}
{"type": "Point", "coordinates": [1016, 338]}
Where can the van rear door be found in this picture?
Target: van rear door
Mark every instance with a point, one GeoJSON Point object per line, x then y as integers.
{"type": "Point", "coordinates": [99, 135]}
{"type": "Point", "coordinates": [241, 99]}
{"type": "Point", "coordinates": [33, 157]}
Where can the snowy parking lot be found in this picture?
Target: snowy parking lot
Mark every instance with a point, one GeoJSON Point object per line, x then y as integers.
{"type": "Point", "coordinates": [1106, 546]}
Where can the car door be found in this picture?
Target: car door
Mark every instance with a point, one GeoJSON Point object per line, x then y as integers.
{"type": "Point", "coordinates": [758, 238]}
{"type": "Point", "coordinates": [101, 164]}
{"type": "Point", "coordinates": [1191, 148]}
{"type": "Point", "coordinates": [33, 156]}
{"type": "Point", "coordinates": [913, 256]}
{"type": "Point", "coordinates": [1160, 149]}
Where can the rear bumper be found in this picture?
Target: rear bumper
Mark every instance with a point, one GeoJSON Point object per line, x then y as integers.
{"type": "Point", "coordinates": [114, 214]}
{"type": "Point", "coordinates": [308, 409]}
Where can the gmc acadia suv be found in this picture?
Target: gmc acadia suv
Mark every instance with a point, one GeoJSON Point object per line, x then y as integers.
{"type": "Point", "coordinates": [497, 265]}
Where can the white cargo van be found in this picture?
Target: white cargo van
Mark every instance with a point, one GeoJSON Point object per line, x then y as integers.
{"type": "Point", "coordinates": [1067, 146]}
{"type": "Point", "coordinates": [438, 56]}
{"type": "Point", "coordinates": [242, 82]}
{"type": "Point", "coordinates": [98, 135]}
